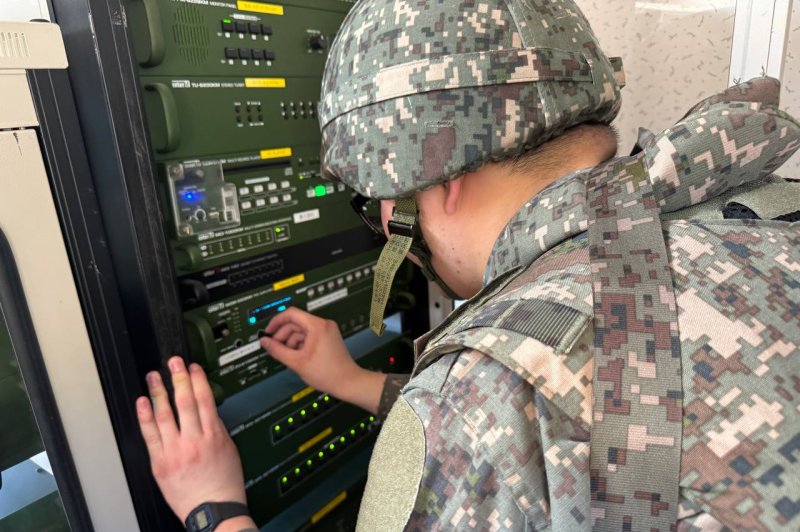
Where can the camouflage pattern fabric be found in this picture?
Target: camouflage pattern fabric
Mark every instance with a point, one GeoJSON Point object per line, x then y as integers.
{"type": "Point", "coordinates": [506, 400]}
{"type": "Point", "coordinates": [740, 342]}
{"type": "Point", "coordinates": [417, 93]}
{"type": "Point", "coordinates": [637, 364]}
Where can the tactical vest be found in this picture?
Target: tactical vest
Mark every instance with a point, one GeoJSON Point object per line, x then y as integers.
{"type": "Point", "coordinates": [607, 263]}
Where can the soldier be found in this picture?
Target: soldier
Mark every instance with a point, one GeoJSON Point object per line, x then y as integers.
{"type": "Point", "coordinates": [626, 357]}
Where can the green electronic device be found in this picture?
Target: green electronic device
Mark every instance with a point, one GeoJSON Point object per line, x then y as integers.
{"type": "Point", "coordinates": [230, 91]}
{"type": "Point", "coordinates": [303, 435]}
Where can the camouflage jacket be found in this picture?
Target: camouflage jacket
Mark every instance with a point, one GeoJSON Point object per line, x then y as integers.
{"type": "Point", "coordinates": [496, 429]}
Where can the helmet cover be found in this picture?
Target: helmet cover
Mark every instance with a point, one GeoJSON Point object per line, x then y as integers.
{"type": "Point", "coordinates": [418, 93]}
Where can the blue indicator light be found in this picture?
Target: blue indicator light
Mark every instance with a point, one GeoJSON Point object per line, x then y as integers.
{"type": "Point", "coordinates": [192, 196]}
{"type": "Point", "coordinates": [270, 308]}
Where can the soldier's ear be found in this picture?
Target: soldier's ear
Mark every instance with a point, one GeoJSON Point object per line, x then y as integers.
{"type": "Point", "coordinates": [452, 195]}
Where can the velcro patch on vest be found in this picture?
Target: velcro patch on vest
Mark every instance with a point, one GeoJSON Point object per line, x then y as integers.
{"type": "Point", "coordinates": [553, 324]}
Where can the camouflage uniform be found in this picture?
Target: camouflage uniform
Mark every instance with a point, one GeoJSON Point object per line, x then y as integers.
{"type": "Point", "coordinates": [505, 399]}
{"type": "Point", "coordinates": [628, 364]}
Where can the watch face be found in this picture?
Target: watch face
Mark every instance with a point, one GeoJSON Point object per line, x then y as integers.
{"type": "Point", "coordinates": [202, 519]}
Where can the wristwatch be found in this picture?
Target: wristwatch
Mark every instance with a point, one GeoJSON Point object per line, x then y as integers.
{"type": "Point", "coordinates": [208, 516]}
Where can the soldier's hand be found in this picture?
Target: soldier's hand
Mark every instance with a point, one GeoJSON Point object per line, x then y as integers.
{"type": "Point", "coordinates": [314, 349]}
{"type": "Point", "coordinates": [196, 462]}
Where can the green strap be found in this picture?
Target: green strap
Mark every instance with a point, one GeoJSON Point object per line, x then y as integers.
{"type": "Point", "coordinates": [637, 387]}
{"type": "Point", "coordinates": [392, 256]}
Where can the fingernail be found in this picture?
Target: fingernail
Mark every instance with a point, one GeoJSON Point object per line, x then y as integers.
{"type": "Point", "coordinates": [195, 368]}
{"type": "Point", "coordinates": [175, 365]}
{"type": "Point", "coordinates": [262, 334]}
{"type": "Point", "coordinates": [152, 379]}
{"type": "Point", "coordinates": [141, 404]}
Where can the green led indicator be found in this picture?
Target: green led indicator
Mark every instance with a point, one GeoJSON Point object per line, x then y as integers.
{"type": "Point", "coordinates": [363, 425]}
{"type": "Point", "coordinates": [302, 412]}
{"type": "Point", "coordinates": [277, 428]}
{"type": "Point", "coordinates": [227, 20]}
{"type": "Point", "coordinates": [296, 470]}
{"type": "Point", "coordinates": [309, 463]}
{"type": "Point", "coordinates": [326, 399]}
{"type": "Point", "coordinates": [320, 191]}
{"type": "Point", "coordinates": [371, 419]}
{"type": "Point", "coordinates": [352, 432]}
{"type": "Point", "coordinates": [278, 229]}
{"type": "Point", "coordinates": [331, 447]}
{"type": "Point", "coordinates": [342, 439]}
{"type": "Point", "coordinates": [290, 420]}
{"type": "Point", "coordinates": [321, 455]}
{"type": "Point", "coordinates": [284, 480]}
{"type": "Point", "coordinates": [315, 405]}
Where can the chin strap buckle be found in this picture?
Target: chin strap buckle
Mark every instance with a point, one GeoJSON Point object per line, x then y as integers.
{"type": "Point", "coordinates": [401, 235]}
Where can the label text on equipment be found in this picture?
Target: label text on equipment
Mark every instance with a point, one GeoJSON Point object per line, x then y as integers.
{"type": "Point", "coordinates": [291, 281]}
{"type": "Point", "coordinates": [278, 153]}
{"type": "Point", "coordinates": [258, 7]}
{"type": "Point", "coordinates": [241, 352]}
{"type": "Point", "coordinates": [265, 83]}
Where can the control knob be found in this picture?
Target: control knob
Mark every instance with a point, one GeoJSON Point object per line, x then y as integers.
{"type": "Point", "coordinates": [318, 42]}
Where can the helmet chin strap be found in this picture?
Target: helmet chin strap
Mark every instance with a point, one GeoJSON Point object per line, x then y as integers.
{"type": "Point", "coordinates": [401, 237]}
{"type": "Point", "coordinates": [421, 251]}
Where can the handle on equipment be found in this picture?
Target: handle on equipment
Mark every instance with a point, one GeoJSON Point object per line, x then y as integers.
{"type": "Point", "coordinates": [171, 120]}
{"type": "Point", "coordinates": [155, 35]}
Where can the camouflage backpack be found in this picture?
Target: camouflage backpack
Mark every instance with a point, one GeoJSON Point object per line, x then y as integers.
{"type": "Point", "coordinates": [611, 277]}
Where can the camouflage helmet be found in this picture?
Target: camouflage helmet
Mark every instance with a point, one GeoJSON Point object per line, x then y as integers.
{"type": "Point", "coordinates": [416, 93]}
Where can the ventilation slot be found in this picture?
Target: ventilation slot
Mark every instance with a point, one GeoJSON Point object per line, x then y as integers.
{"type": "Point", "coordinates": [13, 45]}
{"type": "Point", "coordinates": [191, 35]}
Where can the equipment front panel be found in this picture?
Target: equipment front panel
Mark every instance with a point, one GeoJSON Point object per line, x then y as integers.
{"type": "Point", "coordinates": [230, 93]}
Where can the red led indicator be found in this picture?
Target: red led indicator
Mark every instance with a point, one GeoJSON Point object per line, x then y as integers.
{"type": "Point", "coordinates": [391, 360]}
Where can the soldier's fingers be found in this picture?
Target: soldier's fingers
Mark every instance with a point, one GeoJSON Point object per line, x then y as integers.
{"type": "Point", "coordinates": [165, 419]}
{"type": "Point", "coordinates": [294, 341]}
{"type": "Point", "coordinates": [149, 428]}
{"type": "Point", "coordinates": [206, 406]}
{"type": "Point", "coordinates": [280, 352]}
{"type": "Point", "coordinates": [290, 315]}
{"type": "Point", "coordinates": [185, 402]}
{"type": "Point", "coordinates": [285, 331]}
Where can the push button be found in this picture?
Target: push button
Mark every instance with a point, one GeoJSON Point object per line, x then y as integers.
{"type": "Point", "coordinates": [231, 53]}
{"type": "Point", "coordinates": [241, 27]}
{"type": "Point", "coordinates": [228, 26]}
{"type": "Point", "coordinates": [255, 28]}
{"type": "Point", "coordinates": [244, 53]}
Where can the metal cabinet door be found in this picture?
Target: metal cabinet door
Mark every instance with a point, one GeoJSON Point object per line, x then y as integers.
{"type": "Point", "coordinates": [46, 330]}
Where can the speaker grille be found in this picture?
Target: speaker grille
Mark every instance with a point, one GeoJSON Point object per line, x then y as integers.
{"type": "Point", "coordinates": [13, 45]}
{"type": "Point", "coordinates": [191, 34]}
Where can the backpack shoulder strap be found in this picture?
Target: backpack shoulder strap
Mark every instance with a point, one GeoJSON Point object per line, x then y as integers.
{"type": "Point", "coordinates": [637, 429]}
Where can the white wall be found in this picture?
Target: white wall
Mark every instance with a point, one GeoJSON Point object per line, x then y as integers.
{"type": "Point", "coordinates": [675, 52]}
{"type": "Point", "coordinates": [23, 10]}
{"type": "Point", "coordinates": [790, 95]}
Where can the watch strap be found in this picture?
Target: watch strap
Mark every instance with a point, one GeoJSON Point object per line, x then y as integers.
{"type": "Point", "coordinates": [207, 516]}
